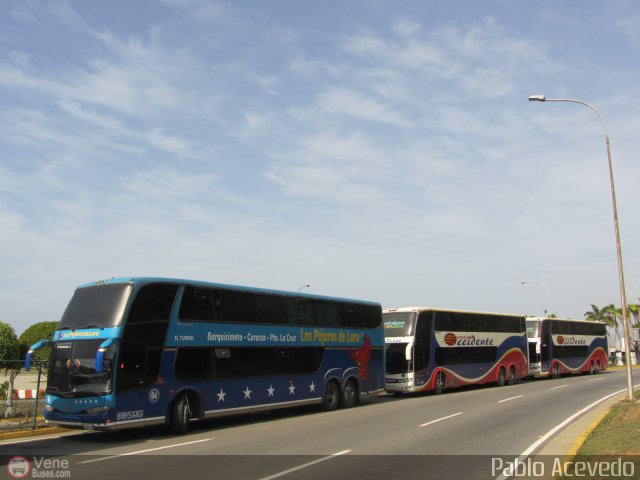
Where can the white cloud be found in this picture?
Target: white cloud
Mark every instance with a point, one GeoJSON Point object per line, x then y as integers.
{"type": "Point", "coordinates": [341, 101]}
{"type": "Point", "coordinates": [333, 168]}
{"type": "Point", "coordinates": [411, 54]}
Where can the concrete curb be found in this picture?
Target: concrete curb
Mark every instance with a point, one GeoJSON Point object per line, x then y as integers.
{"type": "Point", "coordinates": [585, 434]}
{"type": "Point", "coordinates": [28, 432]}
{"type": "Point", "coordinates": [566, 443]}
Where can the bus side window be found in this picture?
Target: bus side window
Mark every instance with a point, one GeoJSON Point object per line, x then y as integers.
{"type": "Point", "coordinates": [423, 340]}
{"type": "Point", "coordinates": [443, 321]}
{"type": "Point", "coordinates": [153, 303]}
{"type": "Point", "coordinates": [545, 341]}
{"type": "Point", "coordinates": [222, 363]}
{"type": "Point", "coordinates": [193, 363]}
{"type": "Point", "coordinates": [132, 366]}
{"type": "Point", "coordinates": [200, 304]}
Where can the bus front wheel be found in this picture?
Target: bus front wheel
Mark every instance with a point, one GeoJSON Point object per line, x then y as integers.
{"type": "Point", "coordinates": [331, 397]}
{"type": "Point", "coordinates": [440, 383]}
{"type": "Point", "coordinates": [180, 415]}
{"type": "Point", "coordinates": [555, 372]}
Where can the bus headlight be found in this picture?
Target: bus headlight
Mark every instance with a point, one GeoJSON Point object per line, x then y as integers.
{"type": "Point", "coordinates": [95, 410]}
{"type": "Point", "coordinates": [49, 408]}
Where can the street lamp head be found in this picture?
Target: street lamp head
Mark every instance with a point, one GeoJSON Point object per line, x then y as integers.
{"type": "Point", "coordinates": [537, 98]}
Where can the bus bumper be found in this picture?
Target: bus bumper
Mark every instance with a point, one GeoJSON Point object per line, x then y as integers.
{"type": "Point", "coordinates": [399, 384]}
{"type": "Point", "coordinates": [535, 370]}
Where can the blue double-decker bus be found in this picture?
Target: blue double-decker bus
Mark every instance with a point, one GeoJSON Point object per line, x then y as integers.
{"type": "Point", "coordinates": [141, 351]}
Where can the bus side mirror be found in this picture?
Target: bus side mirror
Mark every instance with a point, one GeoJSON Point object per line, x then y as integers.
{"type": "Point", "coordinates": [34, 347]}
{"type": "Point", "coordinates": [104, 346]}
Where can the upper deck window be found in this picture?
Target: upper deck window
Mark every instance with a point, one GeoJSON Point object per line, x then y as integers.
{"type": "Point", "coordinates": [99, 306]}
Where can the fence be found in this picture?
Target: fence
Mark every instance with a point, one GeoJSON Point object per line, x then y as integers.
{"type": "Point", "coordinates": [21, 394]}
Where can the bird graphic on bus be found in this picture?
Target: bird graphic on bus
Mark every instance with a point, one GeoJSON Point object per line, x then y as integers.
{"type": "Point", "coordinates": [362, 356]}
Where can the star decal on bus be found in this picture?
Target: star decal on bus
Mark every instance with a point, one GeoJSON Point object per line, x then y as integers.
{"type": "Point", "coordinates": [292, 389]}
{"type": "Point", "coordinates": [221, 395]}
{"type": "Point", "coordinates": [270, 391]}
{"type": "Point", "coordinates": [247, 393]}
{"type": "Point", "coordinates": [312, 387]}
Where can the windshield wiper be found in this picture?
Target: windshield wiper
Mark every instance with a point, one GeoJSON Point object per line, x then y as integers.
{"type": "Point", "coordinates": [89, 376]}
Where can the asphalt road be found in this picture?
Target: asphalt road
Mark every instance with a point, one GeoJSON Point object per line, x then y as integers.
{"type": "Point", "coordinates": [455, 435]}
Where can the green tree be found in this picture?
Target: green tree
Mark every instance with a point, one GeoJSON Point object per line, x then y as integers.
{"type": "Point", "coordinates": [609, 315]}
{"type": "Point", "coordinates": [595, 314]}
{"type": "Point", "coordinates": [612, 317]}
{"type": "Point", "coordinates": [35, 333]}
{"type": "Point", "coordinates": [9, 349]}
{"type": "Point", "coordinates": [634, 310]}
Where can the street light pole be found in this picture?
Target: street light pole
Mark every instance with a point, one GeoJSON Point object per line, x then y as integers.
{"type": "Point", "coordinates": [548, 293]}
{"type": "Point", "coordinates": [623, 295]}
{"type": "Point", "coordinates": [303, 286]}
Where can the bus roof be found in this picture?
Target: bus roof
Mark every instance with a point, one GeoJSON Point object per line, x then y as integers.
{"type": "Point", "coordinates": [454, 310]}
{"type": "Point", "coordinates": [205, 284]}
{"type": "Point", "coordinates": [563, 319]}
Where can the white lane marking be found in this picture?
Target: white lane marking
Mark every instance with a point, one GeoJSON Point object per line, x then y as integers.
{"type": "Point", "coordinates": [305, 465]}
{"type": "Point", "coordinates": [595, 379]}
{"type": "Point", "coordinates": [145, 451]}
{"type": "Point", "coordinates": [535, 445]}
{"type": "Point", "coordinates": [440, 419]}
{"type": "Point", "coordinates": [511, 398]}
{"type": "Point", "coordinates": [559, 386]}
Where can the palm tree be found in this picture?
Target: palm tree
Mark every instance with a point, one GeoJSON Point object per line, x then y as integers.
{"type": "Point", "coordinates": [634, 310]}
{"type": "Point", "coordinates": [595, 314]}
{"type": "Point", "coordinates": [611, 316]}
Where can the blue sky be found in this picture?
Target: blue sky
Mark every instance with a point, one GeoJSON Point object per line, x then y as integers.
{"type": "Point", "coordinates": [373, 149]}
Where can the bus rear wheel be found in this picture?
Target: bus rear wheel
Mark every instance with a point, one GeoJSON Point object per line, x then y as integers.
{"type": "Point", "coordinates": [502, 377]}
{"type": "Point", "coordinates": [331, 397]}
{"type": "Point", "coordinates": [511, 379]}
{"type": "Point", "coordinates": [180, 415]}
{"type": "Point", "coordinates": [349, 396]}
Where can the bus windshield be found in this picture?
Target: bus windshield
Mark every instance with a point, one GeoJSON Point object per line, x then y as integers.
{"type": "Point", "coordinates": [73, 373]}
{"type": "Point", "coordinates": [399, 324]}
{"type": "Point", "coordinates": [533, 328]}
{"type": "Point", "coordinates": [100, 306]}
{"type": "Point", "coordinates": [397, 359]}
